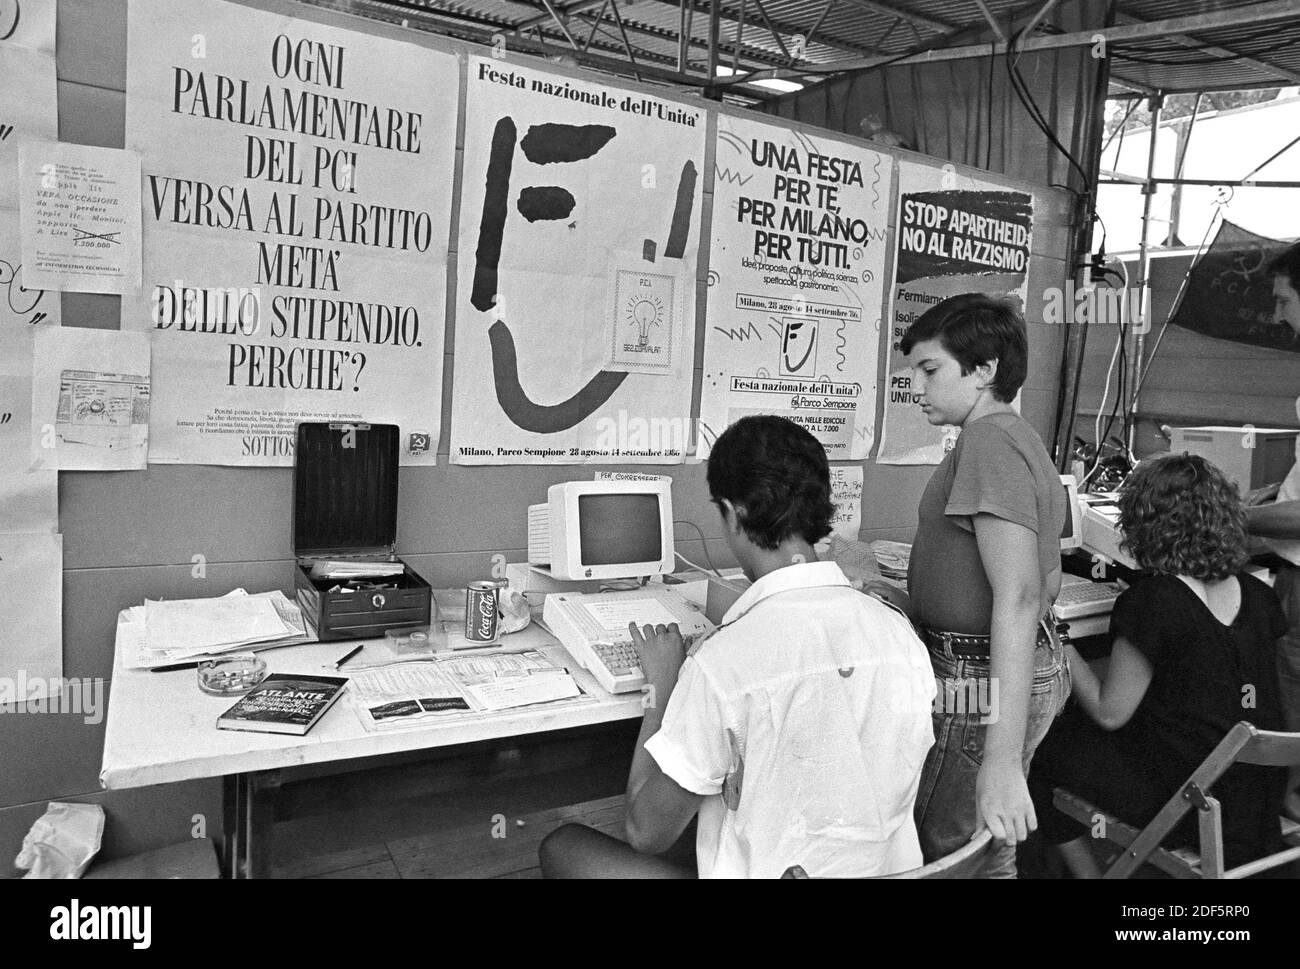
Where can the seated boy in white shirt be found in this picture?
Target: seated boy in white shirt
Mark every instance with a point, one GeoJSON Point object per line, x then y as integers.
{"type": "Point", "coordinates": [797, 731]}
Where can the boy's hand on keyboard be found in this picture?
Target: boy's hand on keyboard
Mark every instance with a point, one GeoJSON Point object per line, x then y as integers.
{"type": "Point", "coordinates": [661, 651]}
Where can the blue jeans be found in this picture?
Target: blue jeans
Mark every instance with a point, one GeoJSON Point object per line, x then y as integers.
{"type": "Point", "coordinates": [945, 803]}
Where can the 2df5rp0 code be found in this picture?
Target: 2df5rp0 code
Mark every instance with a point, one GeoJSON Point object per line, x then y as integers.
{"type": "Point", "coordinates": [1220, 911]}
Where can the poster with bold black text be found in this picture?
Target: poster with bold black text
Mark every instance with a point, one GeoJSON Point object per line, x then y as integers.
{"type": "Point", "coordinates": [296, 201]}
{"type": "Point", "coordinates": [955, 235]}
{"type": "Point", "coordinates": [579, 226]}
{"type": "Point", "coordinates": [796, 284]}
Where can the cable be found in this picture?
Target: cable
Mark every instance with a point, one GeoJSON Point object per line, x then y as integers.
{"type": "Point", "coordinates": [697, 568]}
{"type": "Point", "coordinates": [1021, 88]}
{"type": "Point", "coordinates": [1101, 250]}
{"type": "Point", "coordinates": [1118, 354]}
{"type": "Point", "coordinates": [704, 543]}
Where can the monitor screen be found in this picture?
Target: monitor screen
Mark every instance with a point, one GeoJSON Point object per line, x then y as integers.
{"type": "Point", "coordinates": [1072, 531]}
{"type": "Point", "coordinates": [1067, 530]}
{"type": "Point", "coordinates": [618, 528]}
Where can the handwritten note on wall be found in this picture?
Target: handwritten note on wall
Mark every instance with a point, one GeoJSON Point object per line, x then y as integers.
{"type": "Point", "coordinates": [846, 493]}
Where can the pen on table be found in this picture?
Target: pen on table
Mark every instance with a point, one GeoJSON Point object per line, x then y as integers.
{"type": "Point", "coordinates": [179, 666]}
{"type": "Point", "coordinates": [349, 656]}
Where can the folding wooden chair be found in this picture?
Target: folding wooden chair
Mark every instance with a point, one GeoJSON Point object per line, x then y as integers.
{"type": "Point", "coordinates": [962, 863]}
{"type": "Point", "coordinates": [1243, 744]}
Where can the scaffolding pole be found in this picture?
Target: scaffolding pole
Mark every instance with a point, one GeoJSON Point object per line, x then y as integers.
{"type": "Point", "coordinates": [1144, 271]}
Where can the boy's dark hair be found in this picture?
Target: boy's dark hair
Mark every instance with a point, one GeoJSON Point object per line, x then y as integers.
{"type": "Point", "coordinates": [1180, 515]}
{"type": "Point", "coordinates": [976, 328]}
{"type": "Point", "coordinates": [1287, 263]}
{"type": "Point", "coordinates": [775, 474]}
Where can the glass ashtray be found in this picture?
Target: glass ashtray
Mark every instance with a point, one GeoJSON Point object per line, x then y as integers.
{"type": "Point", "coordinates": [231, 675]}
{"type": "Point", "coordinates": [417, 640]}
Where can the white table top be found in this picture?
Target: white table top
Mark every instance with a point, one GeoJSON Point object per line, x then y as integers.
{"type": "Point", "coordinates": [161, 728]}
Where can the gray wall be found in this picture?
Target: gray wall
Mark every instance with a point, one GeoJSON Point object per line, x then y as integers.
{"type": "Point", "coordinates": [129, 535]}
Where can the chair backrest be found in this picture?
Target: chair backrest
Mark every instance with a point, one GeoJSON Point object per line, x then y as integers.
{"type": "Point", "coordinates": [1244, 743]}
{"type": "Point", "coordinates": [962, 863]}
{"type": "Point", "coordinates": [1270, 748]}
{"type": "Point", "coordinates": [965, 862]}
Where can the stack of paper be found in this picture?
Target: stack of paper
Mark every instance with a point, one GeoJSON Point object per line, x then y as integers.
{"type": "Point", "coordinates": [160, 633]}
{"type": "Point", "coordinates": [345, 569]}
{"type": "Point", "coordinates": [465, 685]}
{"type": "Point", "coordinates": [893, 558]}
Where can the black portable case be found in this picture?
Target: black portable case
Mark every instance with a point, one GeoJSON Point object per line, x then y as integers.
{"type": "Point", "coordinates": [345, 507]}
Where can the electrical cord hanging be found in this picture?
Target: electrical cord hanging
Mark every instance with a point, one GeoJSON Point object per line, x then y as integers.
{"type": "Point", "coordinates": [697, 568]}
{"type": "Point", "coordinates": [704, 544]}
{"type": "Point", "coordinates": [1119, 355]}
{"type": "Point", "coordinates": [1021, 88]}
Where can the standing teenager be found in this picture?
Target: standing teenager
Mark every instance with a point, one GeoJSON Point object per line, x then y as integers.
{"type": "Point", "coordinates": [984, 571]}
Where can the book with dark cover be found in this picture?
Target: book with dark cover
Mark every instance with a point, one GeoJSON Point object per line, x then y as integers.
{"type": "Point", "coordinates": [284, 703]}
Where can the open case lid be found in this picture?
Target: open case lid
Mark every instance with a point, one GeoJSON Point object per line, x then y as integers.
{"type": "Point", "coordinates": [345, 490]}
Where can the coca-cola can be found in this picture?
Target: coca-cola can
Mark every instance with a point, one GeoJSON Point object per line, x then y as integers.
{"type": "Point", "coordinates": [481, 625]}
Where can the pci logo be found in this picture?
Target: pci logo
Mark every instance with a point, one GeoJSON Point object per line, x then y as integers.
{"type": "Point", "coordinates": [95, 923]}
{"type": "Point", "coordinates": [420, 442]}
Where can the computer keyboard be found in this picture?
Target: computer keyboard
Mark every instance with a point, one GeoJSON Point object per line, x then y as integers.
{"type": "Point", "coordinates": [1081, 597]}
{"type": "Point", "coordinates": [619, 659]}
{"type": "Point", "coordinates": [593, 628]}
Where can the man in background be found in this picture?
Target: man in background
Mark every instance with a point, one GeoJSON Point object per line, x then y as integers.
{"type": "Point", "coordinates": [1279, 522]}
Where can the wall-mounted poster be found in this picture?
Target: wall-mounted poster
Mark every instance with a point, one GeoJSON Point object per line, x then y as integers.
{"type": "Point", "coordinates": [796, 284]}
{"type": "Point", "coordinates": [296, 204]}
{"type": "Point", "coordinates": [579, 229]}
{"type": "Point", "coordinates": [28, 110]}
{"type": "Point", "coordinates": [955, 235]}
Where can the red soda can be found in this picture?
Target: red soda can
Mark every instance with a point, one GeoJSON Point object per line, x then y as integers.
{"type": "Point", "coordinates": [481, 625]}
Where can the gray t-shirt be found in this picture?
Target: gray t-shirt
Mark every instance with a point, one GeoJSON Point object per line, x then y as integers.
{"type": "Point", "coordinates": [998, 467]}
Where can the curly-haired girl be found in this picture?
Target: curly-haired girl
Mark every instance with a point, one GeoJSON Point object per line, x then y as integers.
{"type": "Point", "coordinates": [1194, 653]}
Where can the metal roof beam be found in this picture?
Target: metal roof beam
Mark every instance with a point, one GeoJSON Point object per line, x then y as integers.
{"type": "Point", "coordinates": [997, 28]}
{"type": "Point", "coordinates": [482, 32]}
{"type": "Point", "coordinates": [582, 6]}
{"type": "Point", "coordinates": [661, 33]}
{"type": "Point", "coordinates": [784, 26]}
{"type": "Point", "coordinates": [920, 20]}
{"type": "Point", "coordinates": [1182, 40]}
{"type": "Point", "coordinates": [1139, 89]}
{"type": "Point", "coordinates": [1273, 11]}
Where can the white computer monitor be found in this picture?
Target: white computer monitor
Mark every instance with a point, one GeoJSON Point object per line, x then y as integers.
{"type": "Point", "coordinates": [603, 530]}
{"type": "Point", "coordinates": [1072, 533]}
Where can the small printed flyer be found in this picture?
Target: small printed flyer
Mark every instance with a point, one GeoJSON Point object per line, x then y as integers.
{"type": "Point", "coordinates": [80, 212]}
